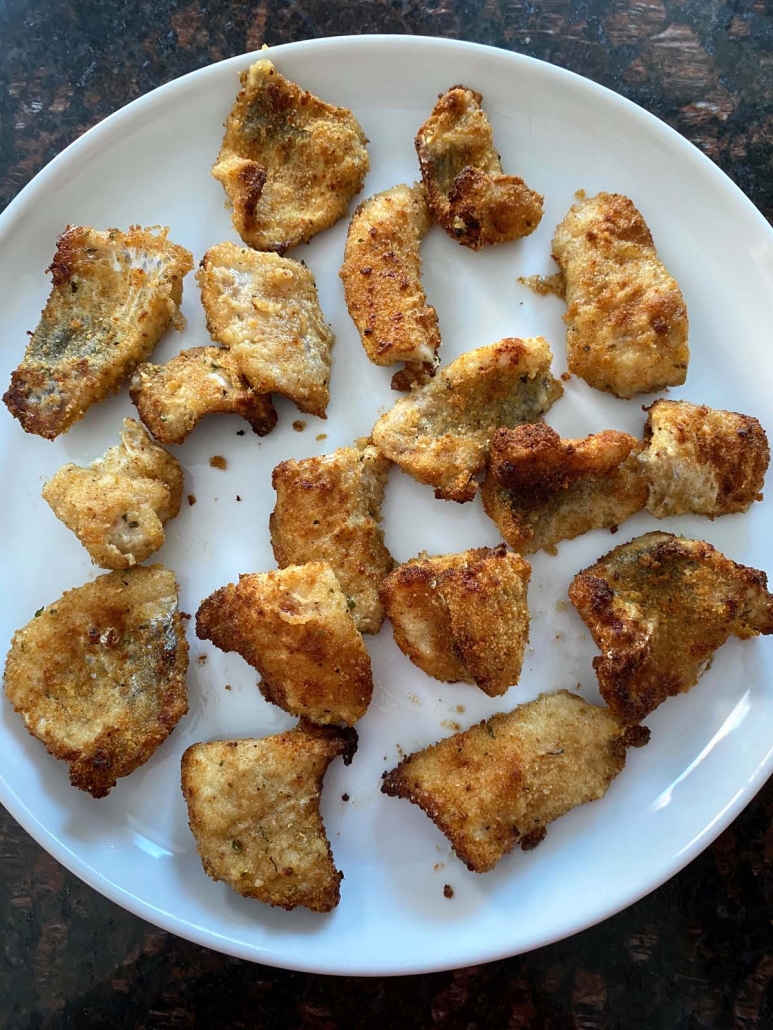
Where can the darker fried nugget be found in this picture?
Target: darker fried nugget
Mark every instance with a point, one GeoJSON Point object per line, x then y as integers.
{"type": "Point", "coordinates": [626, 320]}
{"type": "Point", "coordinates": [289, 162]}
{"type": "Point", "coordinates": [171, 399]}
{"type": "Point", "coordinates": [540, 489]}
{"type": "Point", "coordinates": [702, 460]}
{"type": "Point", "coordinates": [658, 608]}
{"type": "Point", "coordinates": [253, 807]}
{"type": "Point", "coordinates": [265, 310]}
{"type": "Point", "coordinates": [295, 628]}
{"type": "Point", "coordinates": [114, 296]}
{"type": "Point", "coordinates": [462, 617]}
{"type": "Point", "coordinates": [329, 509]}
{"type": "Point", "coordinates": [467, 192]}
{"type": "Point", "coordinates": [99, 675]}
{"type": "Point", "coordinates": [501, 782]}
{"type": "Point", "coordinates": [381, 274]}
{"type": "Point", "coordinates": [440, 433]}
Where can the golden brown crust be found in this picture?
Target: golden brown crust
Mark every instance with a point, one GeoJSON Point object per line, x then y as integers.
{"type": "Point", "coordinates": [702, 460]}
{"type": "Point", "coordinates": [289, 162]}
{"type": "Point", "coordinates": [540, 489]}
{"type": "Point", "coordinates": [500, 783]}
{"type": "Point", "coordinates": [265, 310]}
{"type": "Point", "coordinates": [467, 192]}
{"type": "Point", "coordinates": [462, 617]}
{"type": "Point", "coordinates": [113, 297]}
{"type": "Point", "coordinates": [658, 607]}
{"type": "Point", "coordinates": [626, 320]}
{"type": "Point", "coordinates": [295, 628]}
{"type": "Point", "coordinates": [253, 807]}
{"type": "Point", "coordinates": [440, 433]}
{"type": "Point", "coordinates": [99, 675]}
{"type": "Point", "coordinates": [329, 509]}
{"type": "Point", "coordinates": [172, 398]}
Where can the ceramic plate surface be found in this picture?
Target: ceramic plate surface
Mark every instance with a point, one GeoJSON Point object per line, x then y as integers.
{"type": "Point", "coordinates": [711, 749]}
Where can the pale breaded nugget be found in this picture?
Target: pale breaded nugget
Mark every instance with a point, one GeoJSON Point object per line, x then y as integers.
{"type": "Point", "coordinates": [329, 509]}
{"type": "Point", "coordinates": [540, 489]}
{"type": "Point", "coordinates": [265, 310]}
{"type": "Point", "coordinates": [253, 807]}
{"type": "Point", "coordinates": [381, 274]}
{"type": "Point", "coordinates": [702, 460]}
{"type": "Point", "coordinates": [658, 607]}
{"type": "Point", "coordinates": [295, 628]}
{"type": "Point", "coordinates": [467, 192]}
{"type": "Point", "coordinates": [626, 320]}
{"type": "Point", "coordinates": [440, 433]}
{"type": "Point", "coordinates": [289, 162]}
{"type": "Point", "coordinates": [500, 783]}
{"type": "Point", "coordinates": [171, 399]}
{"type": "Point", "coordinates": [114, 295]}
{"type": "Point", "coordinates": [99, 675]}
{"type": "Point", "coordinates": [462, 617]}
{"type": "Point", "coordinates": [118, 505]}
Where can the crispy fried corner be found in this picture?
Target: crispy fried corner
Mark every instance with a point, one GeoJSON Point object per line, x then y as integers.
{"type": "Point", "coordinates": [658, 607]}
{"type": "Point", "coordinates": [294, 626]}
{"type": "Point", "coordinates": [500, 783]}
{"type": "Point", "coordinates": [253, 807]}
{"type": "Point", "coordinates": [467, 192]}
{"type": "Point", "coordinates": [289, 162]}
{"type": "Point", "coordinates": [540, 489]}
{"type": "Point", "coordinates": [104, 724]}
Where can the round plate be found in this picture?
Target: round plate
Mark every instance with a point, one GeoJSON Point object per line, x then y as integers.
{"type": "Point", "coordinates": [710, 749]}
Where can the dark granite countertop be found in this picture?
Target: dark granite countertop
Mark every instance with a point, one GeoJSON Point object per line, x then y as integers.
{"type": "Point", "coordinates": [696, 953]}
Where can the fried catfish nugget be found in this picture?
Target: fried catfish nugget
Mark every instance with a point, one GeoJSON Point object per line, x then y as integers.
{"type": "Point", "coordinates": [329, 509]}
{"type": "Point", "coordinates": [440, 433]}
{"type": "Point", "coordinates": [626, 320]}
{"type": "Point", "coordinates": [289, 162]}
{"type": "Point", "coordinates": [294, 626]}
{"type": "Point", "coordinates": [114, 296]}
{"type": "Point", "coordinates": [468, 194]}
{"type": "Point", "coordinates": [658, 608]}
{"type": "Point", "coordinates": [381, 274]}
{"type": "Point", "coordinates": [462, 617]}
{"type": "Point", "coordinates": [500, 783]}
{"type": "Point", "coordinates": [253, 807]}
{"type": "Point", "coordinates": [265, 310]}
{"type": "Point", "coordinates": [99, 675]}
{"type": "Point", "coordinates": [540, 489]}
{"type": "Point", "coordinates": [172, 399]}
{"type": "Point", "coordinates": [118, 505]}
{"type": "Point", "coordinates": [702, 460]}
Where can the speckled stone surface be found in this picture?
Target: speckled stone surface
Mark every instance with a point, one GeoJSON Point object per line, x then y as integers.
{"type": "Point", "coordinates": [697, 953]}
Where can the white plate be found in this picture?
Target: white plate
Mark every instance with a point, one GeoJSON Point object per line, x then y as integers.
{"type": "Point", "coordinates": [710, 749]}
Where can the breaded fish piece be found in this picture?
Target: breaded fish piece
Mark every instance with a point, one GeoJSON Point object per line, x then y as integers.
{"type": "Point", "coordinates": [265, 310]}
{"type": "Point", "coordinates": [289, 162]}
{"type": "Point", "coordinates": [658, 607]}
{"type": "Point", "coordinates": [171, 399]}
{"type": "Point", "coordinates": [540, 489]}
{"type": "Point", "coordinates": [99, 675]}
{"type": "Point", "coordinates": [468, 194]}
{"type": "Point", "coordinates": [381, 274]}
{"type": "Point", "coordinates": [626, 320]}
{"type": "Point", "coordinates": [294, 626]}
{"type": "Point", "coordinates": [118, 505]}
{"type": "Point", "coordinates": [253, 807]}
{"type": "Point", "coordinates": [462, 617]}
{"type": "Point", "coordinates": [702, 460]}
{"type": "Point", "coordinates": [329, 509]}
{"type": "Point", "coordinates": [500, 783]}
{"type": "Point", "coordinates": [114, 295]}
{"type": "Point", "coordinates": [440, 433]}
